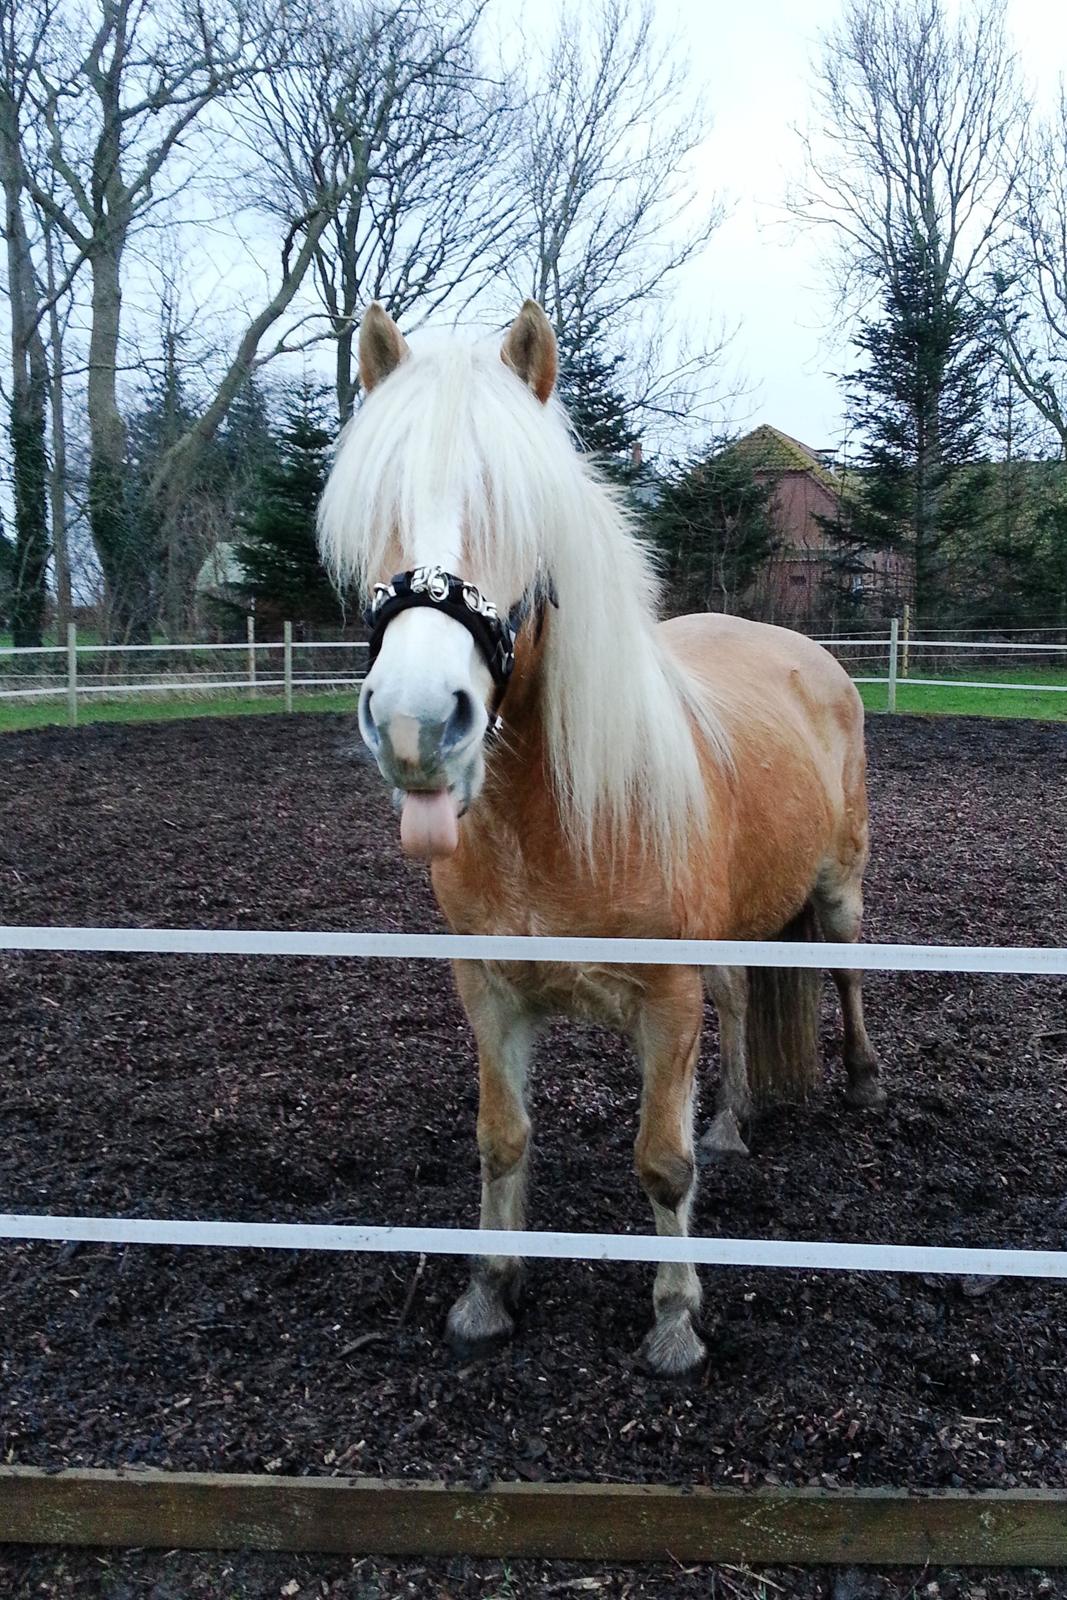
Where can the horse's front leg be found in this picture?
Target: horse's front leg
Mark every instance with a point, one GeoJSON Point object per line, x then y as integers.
{"type": "Point", "coordinates": [668, 1039]}
{"type": "Point", "coordinates": [483, 1314]}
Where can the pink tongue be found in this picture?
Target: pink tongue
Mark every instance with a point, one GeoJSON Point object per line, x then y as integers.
{"type": "Point", "coordinates": [428, 825]}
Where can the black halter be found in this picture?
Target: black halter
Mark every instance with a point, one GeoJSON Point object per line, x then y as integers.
{"type": "Point", "coordinates": [465, 604]}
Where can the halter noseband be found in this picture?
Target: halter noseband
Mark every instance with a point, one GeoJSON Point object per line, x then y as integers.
{"type": "Point", "coordinates": [465, 604]}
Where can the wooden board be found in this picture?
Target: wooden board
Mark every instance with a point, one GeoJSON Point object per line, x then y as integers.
{"type": "Point", "coordinates": [215, 1511]}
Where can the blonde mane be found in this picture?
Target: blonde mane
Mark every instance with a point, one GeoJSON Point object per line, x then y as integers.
{"type": "Point", "coordinates": [453, 431]}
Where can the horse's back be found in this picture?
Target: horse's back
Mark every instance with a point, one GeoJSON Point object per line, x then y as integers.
{"type": "Point", "coordinates": [759, 675]}
{"type": "Point", "coordinates": [793, 720]}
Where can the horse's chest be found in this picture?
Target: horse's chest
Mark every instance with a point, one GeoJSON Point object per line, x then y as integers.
{"type": "Point", "coordinates": [610, 996]}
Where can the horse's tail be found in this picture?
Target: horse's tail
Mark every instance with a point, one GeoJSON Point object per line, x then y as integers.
{"type": "Point", "coordinates": [782, 1025]}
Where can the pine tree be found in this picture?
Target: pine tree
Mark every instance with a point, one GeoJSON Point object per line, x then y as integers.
{"type": "Point", "coordinates": [278, 548]}
{"type": "Point", "coordinates": [245, 440]}
{"type": "Point", "coordinates": [1048, 574]}
{"type": "Point", "coordinates": [32, 544]}
{"type": "Point", "coordinates": [847, 581]}
{"type": "Point", "coordinates": [7, 572]}
{"type": "Point", "coordinates": [715, 526]}
{"type": "Point", "coordinates": [917, 405]}
{"type": "Point", "coordinates": [597, 408]}
{"type": "Point", "coordinates": [1011, 568]}
{"type": "Point", "coordinates": [168, 539]}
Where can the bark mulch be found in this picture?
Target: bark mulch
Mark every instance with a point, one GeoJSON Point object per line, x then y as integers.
{"type": "Point", "coordinates": [333, 1091]}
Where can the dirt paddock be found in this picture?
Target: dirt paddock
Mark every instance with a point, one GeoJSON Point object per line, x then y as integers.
{"type": "Point", "coordinates": [345, 1091]}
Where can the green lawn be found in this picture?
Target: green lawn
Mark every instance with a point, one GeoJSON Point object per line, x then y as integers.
{"type": "Point", "coordinates": [945, 699]}
{"type": "Point", "coordinates": [35, 714]}
{"type": "Point", "coordinates": [948, 699]}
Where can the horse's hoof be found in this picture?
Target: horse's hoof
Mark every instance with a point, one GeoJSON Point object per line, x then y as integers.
{"type": "Point", "coordinates": [672, 1348]}
{"type": "Point", "coordinates": [723, 1138]}
{"type": "Point", "coordinates": [866, 1094]}
{"type": "Point", "coordinates": [479, 1322]}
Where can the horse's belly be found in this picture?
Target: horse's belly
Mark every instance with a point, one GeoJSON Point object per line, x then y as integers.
{"type": "Point", "coordinates": [611, 996]}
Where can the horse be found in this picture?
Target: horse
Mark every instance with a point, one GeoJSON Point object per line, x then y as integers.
{"type": "Point", "coordinates": [572, 766]}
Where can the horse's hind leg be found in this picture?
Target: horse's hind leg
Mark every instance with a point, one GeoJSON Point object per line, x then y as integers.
{"type": "Point", "coordinates": [483, 1314]}
{"type": "Point", "coordinates": [668, 1040]}
{"type": "Point", "coordinates": [728, 988]}
{"type": "Point", "coordinates": [839, 906]}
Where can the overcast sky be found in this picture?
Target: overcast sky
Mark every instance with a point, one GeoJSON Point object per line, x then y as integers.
{"type": "Point", "coordinates": [758, 274]}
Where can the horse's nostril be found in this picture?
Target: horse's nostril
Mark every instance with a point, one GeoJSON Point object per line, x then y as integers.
{"type": "Point", "coordinates": [461, 721]}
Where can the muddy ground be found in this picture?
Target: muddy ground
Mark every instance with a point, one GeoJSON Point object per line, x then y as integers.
{"type": "Point", "coordinates": [331, 1091]}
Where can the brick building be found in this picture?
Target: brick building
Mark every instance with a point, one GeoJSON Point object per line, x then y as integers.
{"type": "Point", "coordinates": [796, 586]}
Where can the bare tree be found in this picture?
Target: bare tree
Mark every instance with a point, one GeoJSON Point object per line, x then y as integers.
{"type": "Point", "coordinates": [22, 35]}
{"type": "Point", "coordinates": [390, 105]}
{"type": "Point", "coordinates": [913, 165]}
{"type": "Point", "coordinates": [916, 138]}
{"type": "Point", "coordinates": [613, 213]}
{"type": "Point", "coordinates": [57, 309]}
{"type": "Point", "coordinates": [1030, 285]}
{"type": "Point", "coordinates": [117, 102]}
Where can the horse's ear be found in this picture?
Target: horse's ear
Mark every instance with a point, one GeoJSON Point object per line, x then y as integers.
{"type": "Point", "coordinates": [382, 346]}
{"type": "Point", "coordinates": [529, 349]}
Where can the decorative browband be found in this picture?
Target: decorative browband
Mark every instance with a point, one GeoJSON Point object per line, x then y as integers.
{"type": "Point", "coordinates": [456, 598]}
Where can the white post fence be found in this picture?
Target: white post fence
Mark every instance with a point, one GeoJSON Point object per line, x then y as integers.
{"type": "Point", "coordinates": [251, 629]}
{"type": "Point", "coordinates": [72, 674]}
{"type": "Point", "coordinates": [287, 669]}
{"type": "Point", "coordinates": [892, 657]}
{"type": "Point", "coordinates": [74, 670]}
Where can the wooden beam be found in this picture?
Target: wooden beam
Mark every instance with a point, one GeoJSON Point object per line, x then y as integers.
{"type": "Point", "coordinates": [590, 1521]}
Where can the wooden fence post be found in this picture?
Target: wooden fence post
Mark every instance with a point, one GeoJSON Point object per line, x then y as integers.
{"type": "Point", "coordinates": [906, 640]}
{"type": "Point", "coordinates": [72, 674]}
{"type": "Point", "coordinates": [288, 667]}
{"type": "Point", "coordinates": [251, 658]}
{"type": "Point", "coordinates": [894, 654]}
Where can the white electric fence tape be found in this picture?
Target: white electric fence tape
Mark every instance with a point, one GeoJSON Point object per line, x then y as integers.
{"type": "Point", "coordinates": [797, 1254]}
{"type": "Point", "coordinates": [803, 1254]}
{"type": "Point", "coordinates": [1038, 961]}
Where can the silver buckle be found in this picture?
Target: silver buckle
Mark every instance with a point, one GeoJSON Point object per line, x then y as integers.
{"type": "Point", "coordinates": [432, 581]}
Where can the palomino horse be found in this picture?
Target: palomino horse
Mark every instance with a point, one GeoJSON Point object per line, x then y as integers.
{"type": "Point", "coordinates": [699, 778]}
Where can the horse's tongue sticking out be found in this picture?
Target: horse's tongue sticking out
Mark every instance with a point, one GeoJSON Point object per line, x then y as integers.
{"type": "Point", "coordinates": [428, 826]}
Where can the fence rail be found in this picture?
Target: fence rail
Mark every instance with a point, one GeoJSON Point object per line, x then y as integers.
{"type": "Point", "coordinates": [902, 645]}
{"type": "Point", "coordinates": [818, 1255]}
{"type": "Point", "coordinates": [69, 680]}
{"type": "Point", "coordinates": [198, 1511]}
{"type": "Point", "coordinates": [79, 677]}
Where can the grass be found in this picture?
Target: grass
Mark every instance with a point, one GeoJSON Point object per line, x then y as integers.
{"type": "Point", "coordinates": [946, 699]}
{"type": "Point", "coordinates": [950, 699]}
{"type": "Point", "coordinates": [37, 714]}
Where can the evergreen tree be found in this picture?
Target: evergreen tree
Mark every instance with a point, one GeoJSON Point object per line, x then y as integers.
{"type": "Point", "coordinates": [917, 405]}
{"type": "Point", "coordinates": [1007, 566]}
{"type": "Point", "coordinates": [245, 441]}
{"type": "Point", "coordinates": [28, 570]}
{"type": "Point", "coordinates": [278, 548]}
{"type": "Point", "coordinates": [847, 581]}
{"type": "Point", "coordinates": [169, 537]}
{"type": "Point", "coordinates": [597, 408]}
{"type": "Point", "coordinates": [1049, 571]}
{"type": "Point", "coordinates": [7, 570]}
{"type": "Point", "coordinates": [714, 524]}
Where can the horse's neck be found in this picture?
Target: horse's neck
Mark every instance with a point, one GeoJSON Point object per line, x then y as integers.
{"type": "Point", "coordinates": [517, 802]}
{"type": "Point", "coordinates": [518, 760]}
